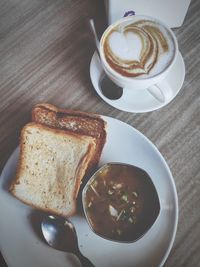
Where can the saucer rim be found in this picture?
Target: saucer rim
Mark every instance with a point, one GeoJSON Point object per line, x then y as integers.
{"type": "Point", "coordinates": [154, 107]}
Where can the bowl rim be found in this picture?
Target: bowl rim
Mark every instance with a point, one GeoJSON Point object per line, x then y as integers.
{"type": "Point", "coordinates": [91, 178]}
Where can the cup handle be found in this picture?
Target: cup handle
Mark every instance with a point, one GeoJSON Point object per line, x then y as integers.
{"type": "Point", "coordinates": [161, 91]}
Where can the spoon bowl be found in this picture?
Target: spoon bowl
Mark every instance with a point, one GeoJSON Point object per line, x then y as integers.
{"type": "Point", "coordinates": [60, 234]}
{"type": "Point", "coordinates": [109, 89]}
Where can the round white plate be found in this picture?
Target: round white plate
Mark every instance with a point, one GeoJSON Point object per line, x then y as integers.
{"type": "Point", "coordinates": [21, 243]}
{"type": "Point", "coordinates": [139, 101]}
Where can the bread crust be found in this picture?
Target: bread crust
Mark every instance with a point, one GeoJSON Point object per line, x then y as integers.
{"type": "Point", "coordinates": [76, 121]}
{"type": "Point", "coordinates": [83, 163]}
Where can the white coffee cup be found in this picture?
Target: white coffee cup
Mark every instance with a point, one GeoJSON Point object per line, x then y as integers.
{"type": "Point", "coordinates": [155, 84]}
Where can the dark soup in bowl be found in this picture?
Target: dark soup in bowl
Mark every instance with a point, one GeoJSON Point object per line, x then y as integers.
{"type": "Point", "coordinates": [120, 202]}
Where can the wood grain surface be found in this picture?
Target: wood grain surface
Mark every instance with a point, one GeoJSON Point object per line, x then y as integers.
{"type": "Point", "coordinates": [45, 51]}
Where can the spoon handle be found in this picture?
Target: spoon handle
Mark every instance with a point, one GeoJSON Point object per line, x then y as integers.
{"type": "Point", "coordinates": [85, 261]}
{"type": "Point", "coordinates": [94, 35]}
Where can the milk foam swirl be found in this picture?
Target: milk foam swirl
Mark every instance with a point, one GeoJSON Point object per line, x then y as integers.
{"type": "Point", "coordinates": [138, 48]}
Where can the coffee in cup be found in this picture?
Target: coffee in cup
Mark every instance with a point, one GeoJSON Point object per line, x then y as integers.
{"type": "Point", "coordinates": [138, 52]}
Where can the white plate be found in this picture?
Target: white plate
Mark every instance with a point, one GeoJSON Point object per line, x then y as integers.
{"type": "Point", "coordinates": [21, 243]}
{"type": "Point", "coordinates": [139, 101]}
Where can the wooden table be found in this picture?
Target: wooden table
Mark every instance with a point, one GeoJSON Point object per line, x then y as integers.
{"type": "Point", "coordinates": [45, 51]}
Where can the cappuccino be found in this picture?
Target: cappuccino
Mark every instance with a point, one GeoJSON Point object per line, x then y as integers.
{"type": "Point", "coordinates": [138, 48]}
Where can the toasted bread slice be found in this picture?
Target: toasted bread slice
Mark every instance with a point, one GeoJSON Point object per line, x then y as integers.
{"type": "Point", "coordinates": [75, 121]}
{"type": "Point", "coordinates": [51, 166]}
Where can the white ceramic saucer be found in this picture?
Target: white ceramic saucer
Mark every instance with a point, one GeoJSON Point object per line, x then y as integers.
{"type": "Point", "coordinates": [139, 101]}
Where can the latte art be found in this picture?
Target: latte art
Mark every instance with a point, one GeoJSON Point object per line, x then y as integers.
{"type": "Point", "coordinates": [143, 48]}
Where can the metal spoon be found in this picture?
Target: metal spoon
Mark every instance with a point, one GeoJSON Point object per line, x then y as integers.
{"type": "Point", "coordinates": [60, 234]}
{"type": "Point", "coordinates": [108, 87]}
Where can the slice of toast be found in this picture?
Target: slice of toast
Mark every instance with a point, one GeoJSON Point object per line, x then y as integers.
{"type": "Point", "coordinates": [75, 121]}
{"type": "Point", "coordinates": [51, 166]}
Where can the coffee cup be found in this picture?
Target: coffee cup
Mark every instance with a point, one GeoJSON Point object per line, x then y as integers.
{"type": "Point", "coordinates": [137, 53]}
